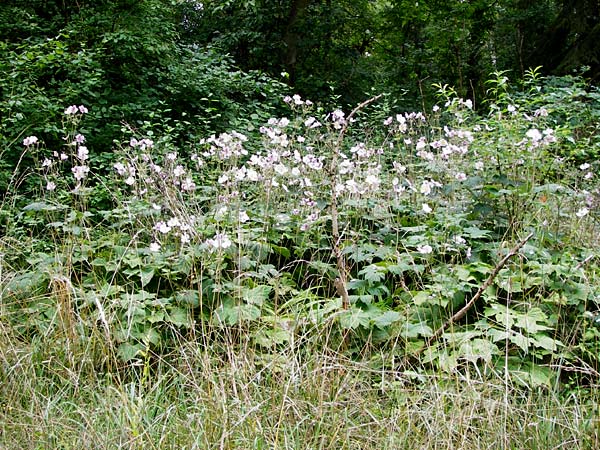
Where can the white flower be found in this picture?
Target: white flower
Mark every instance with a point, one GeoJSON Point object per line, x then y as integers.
{"type": "Point", "coordinates": [173, 222]}
{"type": "Point", "coordinates": [79, 139]}
{"type": "Point", "coordinates": [79, 172]}
{"type": "Point", "coordinates": [82, 153]}
{"type": "Point", "coordinates": [534, 134]}
{"type": "Point", "coordinates": [243, 217]}
{"type": "Point", "coordinates": [130, 181]}
{"type": "Point", "coordinates": [582, 212]}
{"type": "Point", "coordinates": [46, 162]}
{"type": "Point", "coordinates": [426, 187]}
{"type": "Point", "coordinates": [220, 240]}
{"type": "Point", "coordinates": [30, 140]}
{"type": "Point", "coordinates": [584, 166]}
{"type": "Point", "coordinates": [459, 240]}
{"type": "Point", "coordinates": [479, 165]}
{"type": "Point", "coordinates": [50, 186]}
{"type": "Point", "coordinates": [120, 168]}
{"type": "Point", "coordinates": [154, 247]}
{"type": "Point", "coordinates": [297, 100]}
{"type": "Point", "coordinates": [162, 227]}
{"type": "Point", "coordinates": [426, 208]}
{"type": "Point", "coordinates": [425, 249]}
{"type": "Point", "coordinates": [460, 176]}
{"type": "Point", "coordinates": [280, 169]}
{"type": "Point", "coordinates": [178, 171]}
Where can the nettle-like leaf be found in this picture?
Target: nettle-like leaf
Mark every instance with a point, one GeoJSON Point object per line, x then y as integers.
{"type": "Point", "coordinates": [476, 349]}
{"type": "Point", "coordinates": [528, 321]}
{"type": "Point", "coordinates": [354, 318]}
{"type": "Point", "coordinates": [415, 330]}
{"type": "Point", "coordinates": [373, 273]}
{"type": "Point", "coordinates": [386, 319]}
{"type": "Point", "coordinates": [179, 317]}
{"type": "Point", "coordinates": [257, 295]}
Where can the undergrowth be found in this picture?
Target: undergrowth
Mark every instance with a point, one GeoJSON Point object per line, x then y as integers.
{"type": "Point", "coordinates": [326, 282]}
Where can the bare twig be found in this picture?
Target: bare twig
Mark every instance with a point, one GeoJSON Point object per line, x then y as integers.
{"type": "Point", "coordinates": [341, 281]}
{"type": "Point", "coordinates": [461, 313]}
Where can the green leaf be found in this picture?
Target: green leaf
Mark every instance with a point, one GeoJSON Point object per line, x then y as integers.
{"type": "Point", "coordinates": [146, 275]}
{"type": "Point", "coordinates": [354, 318]}
{"type": "Point", "coordinates": [386, 319]}
{"type": "Point", "coordinates": [128, 351]}
{"type": "Point", "coordinates": [478, 349]}
{"type": "Point", "coordinates": [413, 330]}
{"type": "Point", "coordinates": [43, 206]}
{"type": "Point", "coordinates": [257, 295]}
{"type": "Point", "coordinates": [373, 273]}
{"type": "Point", "coordinates": [188, 297]}
{"type": "Point", "coordinates": [179, 317]}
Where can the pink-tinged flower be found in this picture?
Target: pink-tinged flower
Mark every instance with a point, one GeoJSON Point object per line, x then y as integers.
{"type": "Point", "coordinates": [79, 172]}
{"type": "Point", "coordinates": [171, 156]}
{"type": "Point", "coordinates": [173, 222]}
{"type": "Point", "coordinates": [82, 153]}
{"type": "Point", "coordinates": [460, 176]}
{"type": "Point", "coordinates": [426, 208]}
{"type": "Point", "coordinates": [130, 180]}
{"type": "Point", "coordinates": [179, 171]}
{"type": "Point", "coordinates": [184, 238]}
{"type": "Point", "coordinates": [30, 140]}
{"type": "Point", "coordinates": [79, 139]}
{"type": "Point", "coordinates": [146, 143]}
{"type": "Point", "coordinates": [120, 168]}
{"type": "Point", "coordinates": [162, 227]}
{"type": "Point", "coordinates": [63, 156]}
{"type": "Point", "coordinates": [435, 108]}
{"type": "Point", "coordinates": [582, 212]}
{"type": "Point", "coordinates": [297, 100]}
{"type": "Point", "coordinates": [479, 165]}
{"type": "Point", "coordinates": [287, 99]}
{"type": "Point", "coordinates": [82, 109]}
{"type": "Point", "coordinates": [71, 110]}
{"type": "Point", "coordinates": [425, 249]}
{"type": "Point", "coordinates": [50, 186]}
{"type": "Point", "coordinates": [534, 134]}
{"type": "Point", "coordinates": [188, 184]}
{"type": "Point", "coordinates": [154, 247]}
{"type": "Point", "coordinates": [46, 162]}
{"type": "Point", "coordinates": [220, 240]}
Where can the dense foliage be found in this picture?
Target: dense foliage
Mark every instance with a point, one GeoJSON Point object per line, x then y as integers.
{"type": "Point", "coordinates": [186, 192]}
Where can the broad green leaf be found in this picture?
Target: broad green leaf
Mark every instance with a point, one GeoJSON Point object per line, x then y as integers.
{"type": "Point", "coordinates": [179, 317]}
{"type": "Point", "coordinates": [528, 322]}
{"type": "Point", "coordinates": [146, 275]}
{"type": "Point", "coordinates": [188, 297]}
{"type": "Point", "coordinates": [128, 351]}
{"type": "Point", "coordinates": [386, 319]}
{"type": "Point", "coordinates": [478, 349]}
{"type": "Point", "coordinates": [354, 318]}
{"type": "Point", "coordinates": [373, 273]}
{"type": "Point", "coordinates": [257, 295]}
{"type": "Point", "coordinates": [413, 330]}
